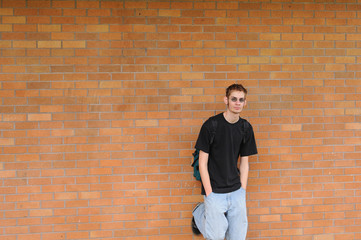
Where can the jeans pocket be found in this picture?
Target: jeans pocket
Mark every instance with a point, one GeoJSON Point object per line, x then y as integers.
{"type": "Point", "coordinates": [209, 195]}
{"type": "Point", "coordinates": [242, 193]}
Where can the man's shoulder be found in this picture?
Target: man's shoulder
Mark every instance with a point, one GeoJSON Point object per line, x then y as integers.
{"type": "Point", "coordinates": [244, 125]}
{"type": "Point", "coordinates": [244, 122]}
{"type": "Point", "coordinates": [212, 119]}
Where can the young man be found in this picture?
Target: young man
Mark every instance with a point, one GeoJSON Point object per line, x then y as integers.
{"type": "Point", "coordinates": [223, 213]}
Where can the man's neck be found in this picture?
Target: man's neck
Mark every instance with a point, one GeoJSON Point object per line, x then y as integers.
{"type": "Point", "coordinates": [231, 117]}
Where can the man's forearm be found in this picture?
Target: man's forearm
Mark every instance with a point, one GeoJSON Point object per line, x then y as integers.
{"type": "Point", "coordinates": [244, 168]}
{"type": "Point", "coordinates": [203, 170]}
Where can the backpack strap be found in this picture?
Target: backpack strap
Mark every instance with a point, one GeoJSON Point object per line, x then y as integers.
{"type": "Point", "coordinates": [214, 129]}
{"type": "Point", "coordinates": [244, 131]}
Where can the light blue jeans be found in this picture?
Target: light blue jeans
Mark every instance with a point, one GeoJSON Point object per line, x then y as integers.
{"type": "Point", "coordinates": [223, 215]}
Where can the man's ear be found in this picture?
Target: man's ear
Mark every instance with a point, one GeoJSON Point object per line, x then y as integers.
{"type": "Point", "coordinates": [225, 99]}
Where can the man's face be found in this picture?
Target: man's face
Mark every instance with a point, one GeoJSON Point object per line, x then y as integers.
{"type": "Point", "coordinates": [236, 101]}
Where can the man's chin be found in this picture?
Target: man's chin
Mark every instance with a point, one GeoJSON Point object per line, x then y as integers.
{"type": "Point", "coordinates": [236, 111]}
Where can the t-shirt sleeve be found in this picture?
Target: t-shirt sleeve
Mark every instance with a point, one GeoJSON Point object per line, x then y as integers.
{"type": "Point", "coordinates": [203, 141]}
{"type": "Point", "coordinates": [249, 147]}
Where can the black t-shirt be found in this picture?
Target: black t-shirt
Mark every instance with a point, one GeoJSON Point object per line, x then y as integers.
{"type": "Point", "coordinates": [230, 142]}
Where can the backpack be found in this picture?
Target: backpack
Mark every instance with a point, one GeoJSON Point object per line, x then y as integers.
{"type": "Point", "coordinates": [195, 154]}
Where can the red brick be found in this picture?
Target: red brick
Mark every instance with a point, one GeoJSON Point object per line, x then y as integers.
{"type": "Point", "coordinates": [113, 88]}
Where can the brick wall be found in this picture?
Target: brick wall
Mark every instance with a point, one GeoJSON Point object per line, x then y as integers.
{"type": "Point", "coordinates": [102, 101]}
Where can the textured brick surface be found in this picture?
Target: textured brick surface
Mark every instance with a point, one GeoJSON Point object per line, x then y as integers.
{"type": "Point", "coordinates": [102, 101]}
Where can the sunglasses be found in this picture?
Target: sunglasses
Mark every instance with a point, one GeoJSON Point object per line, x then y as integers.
{"type": "Point", "coordinates": [241, 100]}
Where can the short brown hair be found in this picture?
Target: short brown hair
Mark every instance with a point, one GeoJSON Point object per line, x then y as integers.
{"type": "Point", "coordinates": [235, 87]}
